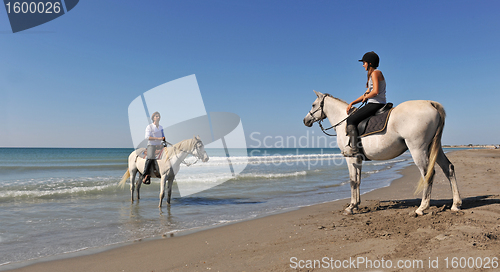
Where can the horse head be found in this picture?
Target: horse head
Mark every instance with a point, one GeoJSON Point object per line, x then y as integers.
{"type": "Point", "coordinates": [316, 113]}
{"type": "Point", "coordinates": [199, 150]}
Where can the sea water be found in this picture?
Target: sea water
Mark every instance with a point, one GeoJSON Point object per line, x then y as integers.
{"type": "Point", "coordinates": [55, 201]}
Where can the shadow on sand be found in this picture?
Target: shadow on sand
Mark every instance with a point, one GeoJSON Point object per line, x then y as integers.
{"type": "Point", "coordinates": [443, 204]}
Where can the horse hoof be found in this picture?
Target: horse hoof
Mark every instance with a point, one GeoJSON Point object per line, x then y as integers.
{"type": "Point", "coordinates": [419, 212]}
{"type": "Point", "coordinates": [347, 212]}
{"type": "Point", "coordinates": [455, 209]}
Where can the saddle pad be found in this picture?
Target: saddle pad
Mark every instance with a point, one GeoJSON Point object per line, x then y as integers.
{"type": "Point", "coordinates": [144, 154]}
{"type": "Point", "coordinates": [376, 124]}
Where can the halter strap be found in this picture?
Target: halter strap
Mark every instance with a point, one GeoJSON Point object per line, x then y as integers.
{"type": "Point", "coordinates": [321, 105]}
{"type": "Point", "coordinates": [197, 157]}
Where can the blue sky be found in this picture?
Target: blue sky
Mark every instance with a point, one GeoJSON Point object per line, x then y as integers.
{"type": "Point", "coordinates": [68, 83]}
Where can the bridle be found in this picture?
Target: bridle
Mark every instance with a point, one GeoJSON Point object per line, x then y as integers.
{"type": "Point", "coordinates": [198, 156]}
{"type": "Point", "coordinates": [323, 116]}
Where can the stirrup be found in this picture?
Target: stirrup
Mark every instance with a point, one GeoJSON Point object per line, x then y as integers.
{"type": "Point", "coordinates": [350, 152]}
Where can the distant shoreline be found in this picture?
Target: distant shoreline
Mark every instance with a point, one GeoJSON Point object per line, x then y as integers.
{"type": "Point", "coordinates": [473, 146]}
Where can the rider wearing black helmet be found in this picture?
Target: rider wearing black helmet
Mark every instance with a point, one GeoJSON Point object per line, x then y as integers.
{"type": "Point", "coordinates": [374, 96]}
{"type": "Point", "coordinates": [371, 58]}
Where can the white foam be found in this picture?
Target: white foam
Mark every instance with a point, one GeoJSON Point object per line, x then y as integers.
{"type": "Point", "coordinates": [389, 162]}
{"type": "Point", "coordinates": [41, 193]}
{"type": "Point", "coordinates": [215, 178]}
{"type": "Point", "coordinates": [218, 161]}
{"type": "Point", "coordinates": [273, 176]}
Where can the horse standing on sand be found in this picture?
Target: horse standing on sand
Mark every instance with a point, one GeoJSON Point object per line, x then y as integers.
{"type": "Point", "coordinates": [169, 164]}
{"type": "Point", "coordinates": [413, 125]}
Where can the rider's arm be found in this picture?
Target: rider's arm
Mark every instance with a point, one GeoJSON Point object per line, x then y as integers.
{"type": "Point", "coordinates": [149, 134]}
{"type": "Point", "coordinates": [359, 99]}
{"type": "Point", "coordinates": [375, 79]}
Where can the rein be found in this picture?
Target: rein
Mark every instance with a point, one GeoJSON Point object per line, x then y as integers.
{"type": "Point", "coordinates": [184, 161]}
{"type": "Point", "coordinates": [323, 116]}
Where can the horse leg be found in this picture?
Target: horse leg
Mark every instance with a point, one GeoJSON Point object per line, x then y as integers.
{"type": "Point", "coordinates": [162, 189]}
{"type": "Point", "coordinates": [132, 184]}
{"type": "Point", "coordinates": [449, 171]}
{"type": "Point", "coordinates": [138, 185]}
{"type": "Point", "coordinates": [354, 165]}
{"type": "Point", "coordinates": [426, 197]}
{"type": "Point", "coordinates": [421, 159]}
{"type": "Point", "coordinates": [169, 189]}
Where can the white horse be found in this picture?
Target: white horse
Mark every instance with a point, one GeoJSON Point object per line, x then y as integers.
{"type": "Point", "coordinates": [413, 125]}
{"type": "Point", "coordinates": [169, 164]}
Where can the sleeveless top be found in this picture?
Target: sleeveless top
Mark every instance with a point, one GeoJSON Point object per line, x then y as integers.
{"type": "Point", "coordinates": [380, 98]}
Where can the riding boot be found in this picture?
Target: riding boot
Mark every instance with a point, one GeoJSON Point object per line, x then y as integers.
{"type": "Point", "coordinates": [352, 150]}
{"type": "Point", "coordinates": [147, 178]}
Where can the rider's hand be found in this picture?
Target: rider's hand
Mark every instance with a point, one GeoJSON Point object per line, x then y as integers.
{"type": "Point", "coordinates": [349, 108]}
{"type": "Point", "coordinates": [163, 139]}
{"type": "Point", "coordinates": [364, 98]}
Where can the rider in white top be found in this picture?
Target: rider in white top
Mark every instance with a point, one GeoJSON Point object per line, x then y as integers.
{"type": "Point", "coordinates": [154, 134]}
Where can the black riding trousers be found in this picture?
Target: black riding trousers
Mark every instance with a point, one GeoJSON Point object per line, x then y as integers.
{"type": "Point", "coordinates": [363, 113]}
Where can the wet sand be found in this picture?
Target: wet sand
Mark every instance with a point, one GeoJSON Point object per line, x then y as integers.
{"type": "Point", "coordinates": [385, 232]}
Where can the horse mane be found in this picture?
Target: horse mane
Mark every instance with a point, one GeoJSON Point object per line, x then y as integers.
{"type": "Point", "coordinates": [338, 99]}
{"type": "Point", "coordinates": [184, 145]}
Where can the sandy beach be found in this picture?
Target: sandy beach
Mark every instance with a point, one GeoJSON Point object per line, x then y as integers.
{"type": "Point", "coordinates": [384, 233]}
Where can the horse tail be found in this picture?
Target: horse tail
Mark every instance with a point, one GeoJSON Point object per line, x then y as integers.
{"type": "Point", "coordinates": [125, 177]}
{"type": "Point", "coordinates": [434, 147]}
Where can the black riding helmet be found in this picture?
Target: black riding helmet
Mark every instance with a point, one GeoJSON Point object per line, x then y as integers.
{"type": "Point", "coordinates": [372, 59]}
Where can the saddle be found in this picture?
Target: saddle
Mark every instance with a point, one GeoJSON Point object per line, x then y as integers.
{"type": "Point", "coordinates": [375, 123]}
{"type": "Point", "coordinates": [156, 172]}
{"type": "Point", "coordinates": [144, 154]}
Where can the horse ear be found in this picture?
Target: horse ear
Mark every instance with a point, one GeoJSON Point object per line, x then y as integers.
{"type": "Point", "coordinates": [318, 94]}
